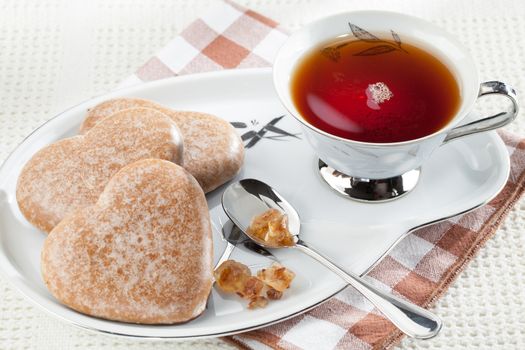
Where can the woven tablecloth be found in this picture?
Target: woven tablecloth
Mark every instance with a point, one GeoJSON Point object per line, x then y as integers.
{"type": "Point", "coordinates": [58, 53]}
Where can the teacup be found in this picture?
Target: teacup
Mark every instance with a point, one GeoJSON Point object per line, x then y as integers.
{"type": "Point", "coordinates": [383, 171]}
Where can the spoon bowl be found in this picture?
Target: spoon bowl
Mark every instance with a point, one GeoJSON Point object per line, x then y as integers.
{"type": "Point", "coordinates": [244, 200]}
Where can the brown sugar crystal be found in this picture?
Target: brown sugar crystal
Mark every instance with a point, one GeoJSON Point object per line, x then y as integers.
{"type": "Point", "coordinates": [234, 277]}
{"type": "Point", "coordinates": [271, 227]}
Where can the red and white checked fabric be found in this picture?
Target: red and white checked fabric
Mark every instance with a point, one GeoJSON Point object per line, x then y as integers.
{"type": "Point", "coordinates": [420, 268]}
{"type": "Point", "coordinates": [228, 36]}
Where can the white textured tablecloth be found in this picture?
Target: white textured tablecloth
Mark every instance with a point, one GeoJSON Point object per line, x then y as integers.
{"type": "Point", "coordinates": [54, 54]}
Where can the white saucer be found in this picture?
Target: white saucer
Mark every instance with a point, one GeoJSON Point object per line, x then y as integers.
{"type": "Point", "coordinates": [459, 177]}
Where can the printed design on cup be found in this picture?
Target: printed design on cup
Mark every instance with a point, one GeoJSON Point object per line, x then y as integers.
{"type": "Point", "coordinates": [268, 131]}
{"type": "Point", "coordinates": [379, 47]}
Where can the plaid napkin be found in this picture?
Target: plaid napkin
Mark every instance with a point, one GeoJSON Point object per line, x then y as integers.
{"type": "Point", "coordinates": [420, 268]}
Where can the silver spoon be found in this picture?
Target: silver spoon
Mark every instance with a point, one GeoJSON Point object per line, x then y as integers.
{"type": "Point", "coordinates": [247, 198]}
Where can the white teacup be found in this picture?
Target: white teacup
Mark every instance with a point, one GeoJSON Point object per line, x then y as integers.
{"type": "Point", "coordinates": [382, 171]}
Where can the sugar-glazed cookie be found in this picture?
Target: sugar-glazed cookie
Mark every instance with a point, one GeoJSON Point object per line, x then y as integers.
{"type": "Point", "coordinates": [141, 254]}
{"type": "Point", "coordinates": [213, 152]}
{"type": "Point", "coordinates": [71, 173]}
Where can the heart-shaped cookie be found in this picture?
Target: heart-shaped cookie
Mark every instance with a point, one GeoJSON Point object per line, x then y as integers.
{"type": "Point", "coordinates": [71, 173]}
{"type": "Point", "coordinates": [213, 152]}
{"type": "Point", "coordinates": [141, 254]}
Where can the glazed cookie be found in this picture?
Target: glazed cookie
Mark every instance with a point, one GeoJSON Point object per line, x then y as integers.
{"type": "Point", "coordinates": [213, 152]}
{"type": "Point", "coordinates": [141, 254]}
{"type": "Point", "coordinates": [71, 173]}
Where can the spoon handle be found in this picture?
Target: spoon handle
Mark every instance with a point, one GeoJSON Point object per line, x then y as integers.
{"type": "Point", "coordinates": [225, 255]}
{"type": "Point", "coordinates": [411, 319]}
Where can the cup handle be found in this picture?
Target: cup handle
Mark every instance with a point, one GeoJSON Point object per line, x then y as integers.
{"type": "Point", "coordinates": [493, 122]}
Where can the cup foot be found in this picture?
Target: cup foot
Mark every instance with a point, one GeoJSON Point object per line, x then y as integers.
{"type": "Point", "coordinates": [369, 190]}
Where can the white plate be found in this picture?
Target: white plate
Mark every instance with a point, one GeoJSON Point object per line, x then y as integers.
{"type": "Point", "coordinates": [460, 176]}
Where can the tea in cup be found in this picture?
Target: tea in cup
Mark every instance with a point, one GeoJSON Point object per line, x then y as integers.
{"type": "Point", "coordinates": [376, 93]}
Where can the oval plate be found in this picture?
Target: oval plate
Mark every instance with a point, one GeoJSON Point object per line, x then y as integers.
{"type": "Point", "coordinates": [460, 176]}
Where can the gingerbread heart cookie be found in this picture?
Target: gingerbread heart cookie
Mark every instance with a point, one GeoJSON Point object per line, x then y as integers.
{"type": "Point", "coordinates": [213, 152]}
{"type": "Point", "coordinates": [141, 254]}
{"type": "Point", "coordinates": [71, 173]}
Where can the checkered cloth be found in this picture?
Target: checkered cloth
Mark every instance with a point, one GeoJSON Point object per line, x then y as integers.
{"type": "Point", "coordinates": [420, 268]}
{"type": "Point", "coordinates": [229, 36]}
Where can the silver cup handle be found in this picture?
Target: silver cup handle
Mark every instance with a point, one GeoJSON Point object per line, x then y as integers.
{"type": "Point", "coordinates": [493, 122]}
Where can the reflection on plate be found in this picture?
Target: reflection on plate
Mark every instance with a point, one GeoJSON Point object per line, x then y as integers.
{"type": "Point", "coordinates": [460, 176]}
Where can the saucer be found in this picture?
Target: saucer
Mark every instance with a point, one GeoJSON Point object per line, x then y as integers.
{"type": "Point", "coordinates": [460, 176]}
